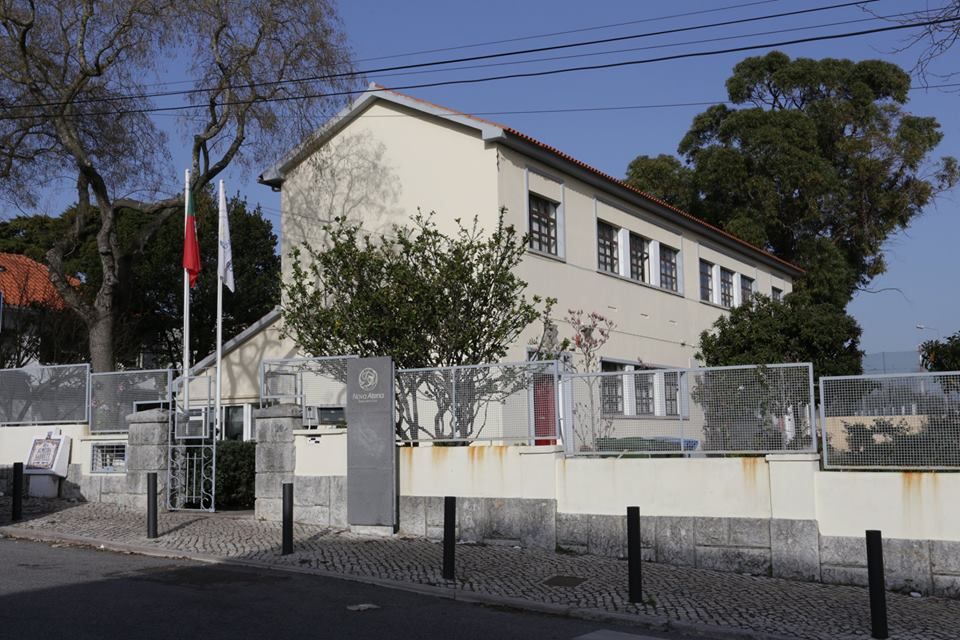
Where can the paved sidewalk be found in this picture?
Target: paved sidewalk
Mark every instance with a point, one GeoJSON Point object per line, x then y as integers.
{"type": "Point", "coordinates": [672, 594]}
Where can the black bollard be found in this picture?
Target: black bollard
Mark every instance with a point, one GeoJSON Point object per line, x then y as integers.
{"type": "Point", "coordinates": [17, 514]}
{"type": "Point", "coordinates": [635, 583]}
{"type": "Point", "coordinates": [152, 505]}
{"type": "Point", "coordinates": [449, 537]}
{"type": "Point", "coordinates": [287, 518]}
{"type": "Point", "coordinates": [875, 578]}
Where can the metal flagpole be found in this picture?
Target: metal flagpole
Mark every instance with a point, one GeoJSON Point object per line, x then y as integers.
{"type": "Point", "coordinates": [220, 273]}
{"type": "Point", "coordinates": [186, 305]}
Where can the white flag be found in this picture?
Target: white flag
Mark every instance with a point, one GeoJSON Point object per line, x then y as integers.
{"type": "Point", "coordinates": [225, 255]}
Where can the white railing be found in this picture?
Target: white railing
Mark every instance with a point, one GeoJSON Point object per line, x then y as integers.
{"type": "Point", "coordinates": [891, 421]}
{"type": "Point", "coordinates": [45, 395]}
{"type": "Point", "coordinates": [504, 402]}
{"type": "Point", "coordinates": [712, 410]}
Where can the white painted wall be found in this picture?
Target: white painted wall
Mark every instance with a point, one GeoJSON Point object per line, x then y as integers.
{"type": "Point", "coordinates": [15, 441]}
{"type": "Point", "coordinates": [918, 506]}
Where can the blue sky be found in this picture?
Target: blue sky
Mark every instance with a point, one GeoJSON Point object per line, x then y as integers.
{"type": "Point", "coordinates": [916, 290]}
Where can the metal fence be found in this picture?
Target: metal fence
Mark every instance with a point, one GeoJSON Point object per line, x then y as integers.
{"type": "Point", "coordinates": [717, 410]}
{"type": "Point", "coordinates": [894, 421]}
{"type": "Point", "coordinates": [44, 395]}
{"type": "Point", "coordinates": [318, 385]}
{"type": "Point", "coordinates": [117, 394]}
{"type": "Point", "coordinates": [510, 402]}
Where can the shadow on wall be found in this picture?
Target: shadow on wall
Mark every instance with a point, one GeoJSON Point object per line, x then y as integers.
{"type": "Point", "coordinates": [349, 178]}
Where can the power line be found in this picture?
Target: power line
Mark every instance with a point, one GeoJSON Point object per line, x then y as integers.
{"type": "Point", "coordinates": [527, 37]}
{"type": "Point", "coordinates": [448, 61]}
{"type": "Point", "coordinates": [648, 47]}
{"type": "Point", "coordinates": [610, 65]}
{"type": "Point", "coordinates": [567, 32]}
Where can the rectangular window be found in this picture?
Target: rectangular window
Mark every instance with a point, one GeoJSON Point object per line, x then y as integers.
{"type": "Point", "coordinates": [643, 388]}
{"type": "Point", "coordinates": [611, 389]}
{"type": "Point", "coordinates": [746, 289]}
{"type": "Point", "coordinates": [638, 257]}
{"type": "Point", "coordinates": [671, 387]}
{"type": "Point", "coordinates": [726, 287]}
{"type": "Point", "coordinates": [668, 267]}
{"type": "Point", "coordinates": [608, 256]}
{"type": "Point", "coordinates": [326, 417]}
{"type": "Point", "coordinates": [543, 225]}
{"type": "Point", "coordinates": [110, 457]}
{"type": "Point", "coordinates": [776, 294]}
{"type": "Point", "coordinates": [233, 422]}
{"type": "Point", "coordinates": [706, 281]}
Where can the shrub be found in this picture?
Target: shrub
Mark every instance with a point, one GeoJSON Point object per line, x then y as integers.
{"type": "Point", "coordinates": [236, 474]}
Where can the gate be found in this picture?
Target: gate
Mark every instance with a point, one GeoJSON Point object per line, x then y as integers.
{"type": "Point", "coordinates": [192, 460]}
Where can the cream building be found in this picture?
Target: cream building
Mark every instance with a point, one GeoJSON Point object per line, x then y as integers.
{"type": "Point", "coordinates": [596, 244]}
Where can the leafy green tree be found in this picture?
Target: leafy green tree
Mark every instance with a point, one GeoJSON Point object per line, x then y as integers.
{"type": "Point", "coordinates": [149, 311]}
{"type": "Point", "coordinates": [792, 330]}
{"type": "Point", "coordinates": [941, 355]}
{"type": "Point", "coordinates": [422, 297]}
{"type": "Point", "coordinates": [154, 313]}
{"type": "Point", "coordinates": [818, 162]}
{"type": "Point", "coordinates": [664, 177]}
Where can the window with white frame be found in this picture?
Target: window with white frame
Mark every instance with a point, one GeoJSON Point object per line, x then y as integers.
{"type": "Point", "coordinates": [669, 259]}
{"type": "Point", "coordinates": [608, 254]}
{"type": "Point", "coordinates": [644, 387]}
{"type": "Point", "coordinates": [776, 294]}
{"type": "Point", "coordinates": [726, 287]}
{"type": "Point", "coordinates": [611, 389]}
{"type": "Point", "coordinates": [706, 281]}
{"type": "Point", "coordinates": [639, 253]}
{"type": "Point", "coordinates": [234, 425]}
{"type": "Point", "coordinates": [671, 390]}
{"type": "Point", "coordinates": [109, 457]}
{"type": "Point", "coordinates": [746, 289]}
{"type": "Point", "coordinates": [543, 225]}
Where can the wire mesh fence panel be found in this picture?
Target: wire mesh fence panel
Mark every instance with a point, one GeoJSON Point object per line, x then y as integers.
{"type": "Point", "coordinates": [318, 385]}
{"type": "Point", "coordinates": [495, 402]}
{"type": "Point", "coordinates": [115, 395]}
{"type": "Point", "coordinates": [752, 409]}
{"type": "Point", "coordinates": [894, 421]}
{"type": "Point", "coordinates": [44, 395]}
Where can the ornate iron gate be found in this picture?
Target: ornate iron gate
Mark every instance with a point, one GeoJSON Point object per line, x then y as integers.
{"type": "Point", "coordinates": [192, 460]}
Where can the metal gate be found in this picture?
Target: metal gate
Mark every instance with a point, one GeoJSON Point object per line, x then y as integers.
{"type": "Point", "coordinates": [192, 460]}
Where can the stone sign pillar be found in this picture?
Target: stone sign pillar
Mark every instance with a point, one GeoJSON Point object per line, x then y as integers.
{"type": "Point", "coordinates": [147, 449]}
{"type": "Point", "coordinates": [276, 456]}
{"type": "Point", "coordinates": [372, 456]}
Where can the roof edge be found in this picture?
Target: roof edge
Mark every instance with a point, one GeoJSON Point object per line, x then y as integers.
{"type": "Point", "coordinates": [238, 340]}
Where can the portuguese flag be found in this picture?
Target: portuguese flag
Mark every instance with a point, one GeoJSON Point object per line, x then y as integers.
{"type": "Point", "coordinates": [191, 248]}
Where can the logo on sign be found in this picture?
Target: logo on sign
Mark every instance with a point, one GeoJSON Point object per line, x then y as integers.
{"type": "Point", "coordinates": [368, 379]}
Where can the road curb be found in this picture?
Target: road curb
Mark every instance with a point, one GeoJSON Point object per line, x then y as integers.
{"type": "Point", "coordinates": [643, 621]}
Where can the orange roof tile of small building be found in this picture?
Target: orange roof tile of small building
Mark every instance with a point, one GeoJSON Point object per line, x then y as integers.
{"type": "Point", "coordinates": [25, 282]}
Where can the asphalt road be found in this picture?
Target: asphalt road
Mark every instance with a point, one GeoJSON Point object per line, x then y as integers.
{"type": "Point", "coordinates": [75, 593]}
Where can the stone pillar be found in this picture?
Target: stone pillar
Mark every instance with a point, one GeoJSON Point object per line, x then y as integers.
{"type": "Point", "coordinates": [147, 449]}
{"type": "Point", "coordinates": [794, 530]}
{"type": "Point", "coordinates": [276, 456]}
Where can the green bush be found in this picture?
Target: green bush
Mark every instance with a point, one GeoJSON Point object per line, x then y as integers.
{"type": "Point", "coordinates": [236, 474]}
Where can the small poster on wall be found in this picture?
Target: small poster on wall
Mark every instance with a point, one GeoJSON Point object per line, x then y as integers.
{"type": "Point", "coordinates": [43, 454]}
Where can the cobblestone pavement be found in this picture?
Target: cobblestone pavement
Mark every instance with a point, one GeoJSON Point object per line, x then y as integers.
{"type": "Point", "coordinates": [798, 609]}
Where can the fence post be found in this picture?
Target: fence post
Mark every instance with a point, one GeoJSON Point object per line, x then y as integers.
{"type": "Point", "coordinates": [287, 519]}
{"type": "Point", "coordinates": [635, 582]}
{"type": "Point", "coordinates": [875, 578]}
{"type": "Point", "coordinates": [17, 514]}
{"type": "Point", "coordinates": [449, 537]}
{"type": "Point", "coordinates": [152, 505]}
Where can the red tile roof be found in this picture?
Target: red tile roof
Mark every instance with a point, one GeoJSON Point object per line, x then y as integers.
{"type": "Point", "coordinates": [616, 181]}
{"type": "Point", "coordinates": [25, 282]}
